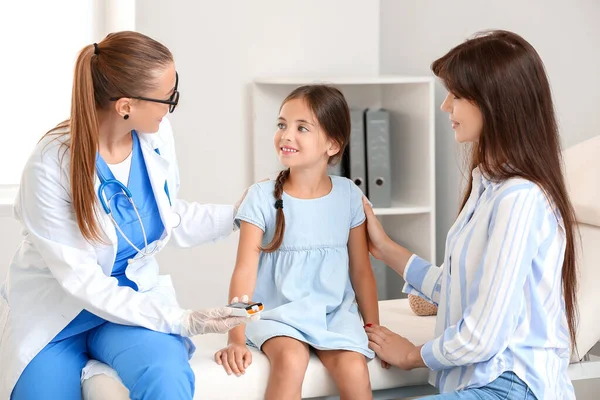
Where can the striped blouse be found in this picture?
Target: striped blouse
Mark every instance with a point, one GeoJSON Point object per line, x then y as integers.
{"type": "Point", "coordinates": [499, 293]}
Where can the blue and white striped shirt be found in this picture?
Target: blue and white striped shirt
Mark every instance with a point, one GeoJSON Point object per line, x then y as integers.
{"type": "Point", "coordinates": [499, 293]}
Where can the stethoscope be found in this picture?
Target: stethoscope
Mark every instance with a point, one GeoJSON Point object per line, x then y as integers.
{"type": "Point", "coordinates": [124, 191]}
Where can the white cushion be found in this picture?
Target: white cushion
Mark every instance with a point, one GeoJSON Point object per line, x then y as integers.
{"type": "Point", "coordinates": [588, 331]}
{"type": "Point", "coordinates": [213, 383]}
{"type": "Point", "coordinates": [582, 173]}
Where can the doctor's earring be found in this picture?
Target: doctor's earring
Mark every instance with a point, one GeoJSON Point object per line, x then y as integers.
{"type": "Point", "coordinates": [126, 116]}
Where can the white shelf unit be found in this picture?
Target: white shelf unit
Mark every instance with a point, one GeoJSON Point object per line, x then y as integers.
{"type": "Point", "coordinates": [410, 100]}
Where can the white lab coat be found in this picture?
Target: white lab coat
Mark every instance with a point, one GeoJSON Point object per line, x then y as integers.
{"type": "Point", "coordinates": [55, 273]}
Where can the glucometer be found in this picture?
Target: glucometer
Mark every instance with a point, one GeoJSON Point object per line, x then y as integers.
{"type": "Point", "coordinates": [245, 309]}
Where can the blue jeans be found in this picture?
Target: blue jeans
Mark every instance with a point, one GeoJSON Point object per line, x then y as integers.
{"type": "Point", "coordinates": [152, 365]}
{"type": "Point", "coordinates": [507, 386]}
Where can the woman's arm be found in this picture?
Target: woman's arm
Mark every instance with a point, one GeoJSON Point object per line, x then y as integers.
{"type": "Point", "coordinates": [381, 246]}
{"type": "Point", "coordinates": [243, 280]}
{"type": "Point", "coordinates": [422, 278]}
{"type": "Point", "coordinates": [361, 275]}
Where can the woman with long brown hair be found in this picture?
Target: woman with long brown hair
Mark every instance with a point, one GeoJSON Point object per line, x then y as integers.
{"type": "Point", "coordinates": [506, 291]}
{"type": "Point", "coordinates": [97, 200]}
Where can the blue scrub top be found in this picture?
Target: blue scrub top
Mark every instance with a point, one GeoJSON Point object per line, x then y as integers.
{"type": "Point", "coordinates": [125, 216]}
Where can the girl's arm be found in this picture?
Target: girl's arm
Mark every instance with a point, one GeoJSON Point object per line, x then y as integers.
{"type": "Point", "coordinates": [243, 280]}
{"type": "Point", "coordinates": [361, 275]}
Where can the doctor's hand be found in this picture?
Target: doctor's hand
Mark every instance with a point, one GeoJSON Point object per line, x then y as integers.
{"type": "Point", "coordinates": [213, 320]}
{"type": "Point", "coordinates": [237, 205]}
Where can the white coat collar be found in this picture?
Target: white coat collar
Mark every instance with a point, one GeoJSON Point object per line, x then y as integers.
{"type": "Point", "coordinates": [158, 169]}
{"type": "Point", "coordinates": [153, 140]}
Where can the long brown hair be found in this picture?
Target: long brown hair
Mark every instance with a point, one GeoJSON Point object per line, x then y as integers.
{"type": "Point", "coordinates": [504, 76]}
{"type": "Point", "coordinates": [330, 108]}
{"type": "Point", "coordinates": [123, 64]}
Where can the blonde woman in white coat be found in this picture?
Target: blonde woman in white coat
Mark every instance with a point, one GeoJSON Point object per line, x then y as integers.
{"type": "Point", "coordinates": [84, 284]}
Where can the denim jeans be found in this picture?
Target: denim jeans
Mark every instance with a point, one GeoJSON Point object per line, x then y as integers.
{"type": "Point", "coordinates": [507, 386]}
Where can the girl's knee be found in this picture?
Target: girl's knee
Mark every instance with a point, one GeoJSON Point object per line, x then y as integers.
{"type": "Point", "coordinates": [351, 364]}
{"type": "Point", "coordinates": [357, 371]}
{"type": "Point", "coordinates": [287, 356]}
{"type": "Point", "coordinates": [290, 365]}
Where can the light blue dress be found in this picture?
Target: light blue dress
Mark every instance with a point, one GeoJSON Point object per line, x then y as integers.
{"type": "Point", "coordinates": [305, 285]}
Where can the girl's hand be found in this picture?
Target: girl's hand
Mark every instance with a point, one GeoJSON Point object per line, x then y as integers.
{"type": "Point", "coordinates": [234, 358]}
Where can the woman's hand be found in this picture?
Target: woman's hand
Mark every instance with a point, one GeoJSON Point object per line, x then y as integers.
{"type": "Point", "coordinates": [381, 246]}
{"type": "Point", "coordinates": [378, 239]}
{"type": "Point", "coordinates": [234, 358]}
{"type": "Point", "coordinates": [393, 348]}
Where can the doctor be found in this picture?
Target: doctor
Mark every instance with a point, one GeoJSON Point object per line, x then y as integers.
{"type": "Point", "coordinates": [97, 200]}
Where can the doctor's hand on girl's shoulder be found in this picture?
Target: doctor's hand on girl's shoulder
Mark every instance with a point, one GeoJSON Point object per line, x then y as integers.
{"type": "Point", "coordinates": [235, 358]}
{"type": "Point", "coordinates": [237, 205]}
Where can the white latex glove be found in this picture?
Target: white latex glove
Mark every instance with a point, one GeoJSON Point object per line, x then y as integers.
{"type": "Point", "coordinates": [213, 320]}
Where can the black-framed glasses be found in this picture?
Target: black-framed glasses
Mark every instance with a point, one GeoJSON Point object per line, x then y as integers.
{"type": "Point", "coordinates": [172, 101]}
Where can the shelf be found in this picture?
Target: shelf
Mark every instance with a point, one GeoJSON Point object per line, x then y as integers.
{"type": "Point", "coordinates": [350, 80]}
{"type": "Point", "coordinates": [401, 210]}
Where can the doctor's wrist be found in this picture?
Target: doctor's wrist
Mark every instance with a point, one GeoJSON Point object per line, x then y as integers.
{"type": "Point", "coordinates": [184, 324]}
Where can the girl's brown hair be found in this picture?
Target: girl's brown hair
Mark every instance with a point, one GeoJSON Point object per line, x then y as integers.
{"type": "Point", "coordinates": [123, 64]}
{"type": "Point", "coordinates": [330, 108]}
{"type": "Point", "coordinates": [504, 76]}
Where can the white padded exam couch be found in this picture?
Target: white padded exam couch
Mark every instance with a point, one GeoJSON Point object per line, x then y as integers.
{"type": "Point", "coordinates": [212, 383]}
{"type": "Point", "coordinates": [583, 177]}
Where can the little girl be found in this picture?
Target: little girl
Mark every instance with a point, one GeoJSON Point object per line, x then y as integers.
{"type": "Point", "coordinates": [303, 252]}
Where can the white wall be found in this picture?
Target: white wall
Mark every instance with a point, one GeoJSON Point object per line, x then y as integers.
{"type": "Point", "coordinates": [566, 35]}
{"type": "Point", "coordinates": [219, 46]}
